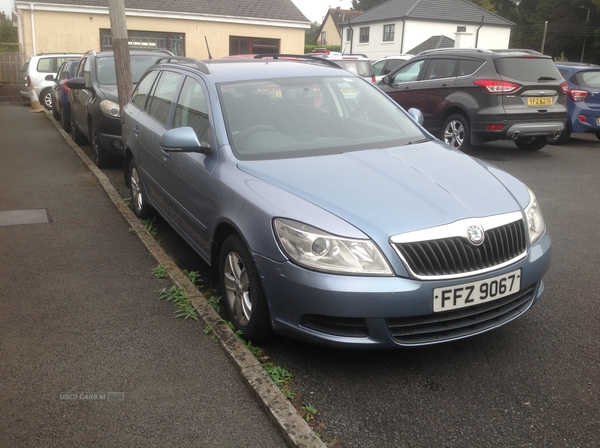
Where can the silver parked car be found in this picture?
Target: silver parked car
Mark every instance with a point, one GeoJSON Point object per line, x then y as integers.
{"type": "Point", "coordinates": [328, 213]}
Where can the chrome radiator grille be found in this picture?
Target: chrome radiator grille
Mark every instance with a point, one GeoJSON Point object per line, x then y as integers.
{"type": "Point", "coordinates": [456, 255]}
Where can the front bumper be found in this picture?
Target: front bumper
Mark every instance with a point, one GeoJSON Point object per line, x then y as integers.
{"type": "Point", "coordinates": [384, 312]}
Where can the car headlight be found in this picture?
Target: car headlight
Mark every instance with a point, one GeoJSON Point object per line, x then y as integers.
{"type": "Point", "coordinates": [319, 250]}
{"type": "Point", "coordinates": [110, 108]}
{"type": "Point", "coordinates": [535, 220]}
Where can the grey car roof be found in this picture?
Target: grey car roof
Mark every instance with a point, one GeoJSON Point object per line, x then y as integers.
{"type": "Point", "coordinates": [232, 70]}
{"type": "Point", "coordinates": [459, 11]}
{"type": "Point", "coordinates": [284, 10]}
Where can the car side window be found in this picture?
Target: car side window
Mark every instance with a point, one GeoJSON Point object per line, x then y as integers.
{"type": "Point", "coordinates": [440, 68]}
{"type": "Point", "coordinates": [192, 109]}
{"type": "Point", "coordinates": [46, 65]}
{"type": "Point", "coordinates": [142, 90]}
{"type": "Point", "coordinates": [409, 72]}
{"type": "Point", "coordinates": [467, 67]}
{"type": "Point", "coordinates": [84, 71]}
{"type": "Point", "coordinates": [378, 68]}
{"type": "Point", "coordinates": [391, 65]}
{"type": "Point", "coordinates": [159, 103]}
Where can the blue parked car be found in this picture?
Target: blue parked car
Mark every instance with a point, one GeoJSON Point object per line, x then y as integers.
{"type": "Point", "coordinates": [60, 93]}
{"type": "Point", "coordinates": [583, 99]}
{"type": "Point", "coordinates": [326, 211]}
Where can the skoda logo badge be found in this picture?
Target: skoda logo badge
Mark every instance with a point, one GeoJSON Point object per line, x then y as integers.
{"type": "Point", "coordinates": [475, 235]}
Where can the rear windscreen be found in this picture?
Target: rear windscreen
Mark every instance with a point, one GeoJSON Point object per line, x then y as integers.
{"type": "Point", "coordinates": [590, 79]}
{"type": "Point", "coordinates": [528, 69]}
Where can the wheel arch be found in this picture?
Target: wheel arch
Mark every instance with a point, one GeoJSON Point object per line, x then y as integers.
{"type": "Point", "coordinates": [222, 232]}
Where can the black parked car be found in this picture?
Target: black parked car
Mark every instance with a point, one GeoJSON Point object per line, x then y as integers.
{"type": "Point", "coordinates": [94, 102]}
{"type": "Point", "coordinates": [470, 96]}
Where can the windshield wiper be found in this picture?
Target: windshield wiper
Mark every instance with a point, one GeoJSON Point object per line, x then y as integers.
{"type": "Point", "coordinates": [546, 78]}
{"type": "Point", "coordinates": [418, 141]}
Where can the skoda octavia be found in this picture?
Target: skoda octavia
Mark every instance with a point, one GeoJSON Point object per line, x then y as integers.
{"type": "Point", "coordinates": [326, 211]}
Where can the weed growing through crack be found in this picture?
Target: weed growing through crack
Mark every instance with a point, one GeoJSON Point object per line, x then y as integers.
{"type": "Point", "coordinates": [214, 302]}
{"type": "Point", "coordinates": [194, 277]}
{"type": "Point", "coordinates": [181, 300]}
{"type": "Point", "coordinates": [149, 225]}
{"type": "Point", "coordinates": [128, 202]}
{"type": "Point", "coordinates": [309, 412]}
{"type": "Point", "coordinates": [160, 272]}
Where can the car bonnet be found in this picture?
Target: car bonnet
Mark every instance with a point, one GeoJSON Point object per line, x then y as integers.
{"type": "Point", "coordinates": [391, 191]}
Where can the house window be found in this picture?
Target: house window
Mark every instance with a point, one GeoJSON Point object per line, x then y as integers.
{"type": "Point", "coordinates": [388, 33]}
{"type": "Point", "coordinates": [349, 35]}
{"type": "Point", "coordinates": [252, 45]}
{"type": "Point", "coordinates": [147, 40]}
{"type": "Point", "coordinates": [324, 38]}
{"type": "Point", "coordinates": [364, 35]}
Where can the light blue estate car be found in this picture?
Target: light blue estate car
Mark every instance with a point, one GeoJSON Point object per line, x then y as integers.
{"type": "Point", "coordinates": [327, 212]}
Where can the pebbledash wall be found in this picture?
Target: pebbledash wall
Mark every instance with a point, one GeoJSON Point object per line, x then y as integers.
{"type": "Point", "coordinates": [52, 28]}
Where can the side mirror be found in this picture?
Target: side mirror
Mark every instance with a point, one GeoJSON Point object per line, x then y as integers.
{"type": "Point", "coordinates": [184, 140]}
{"type": "Point", "coordinates": [386, 80]}
{"type": "Point", "coordinates": [76, 84]}
{"type": "Point", "coordinates": [50, 78]}
{"type": "Point", "coordinates": [416, 115]}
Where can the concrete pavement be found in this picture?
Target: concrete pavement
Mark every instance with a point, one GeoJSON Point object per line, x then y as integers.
{"type": "Point", "coordinates": [88, 354]}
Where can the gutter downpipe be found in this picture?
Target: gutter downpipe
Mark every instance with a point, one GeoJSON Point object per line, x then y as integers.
{"type": "Point", "coordinates": [34, 47]}
{"type": "Point", "coordinates": [477, 33]}
{"type": "Point", "coordinates": [402, 37]}
{"type": "Point", "coordinates": [20, 32]}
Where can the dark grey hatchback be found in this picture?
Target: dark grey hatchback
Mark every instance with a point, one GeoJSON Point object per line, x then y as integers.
{"type": "Point", "coordinates": [469, 96]}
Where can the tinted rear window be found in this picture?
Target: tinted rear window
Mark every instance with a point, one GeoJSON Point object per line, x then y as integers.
{"type": "Point", "coordinates": [528, 69]}
{"type": "Point", "coordinates": [360, 68]}
{"type": "Point", "coordinates": [589, 79]}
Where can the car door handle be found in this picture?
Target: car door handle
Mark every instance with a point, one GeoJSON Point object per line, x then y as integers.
{"type": "Point", "coordinates": [136, 130]}
{"type": "Point", "coordinates": [165, 154]}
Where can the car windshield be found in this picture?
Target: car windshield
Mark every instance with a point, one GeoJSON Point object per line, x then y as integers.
{"type": "Point", "coordinates": [139, 65]}
{"type": "Point", "coordinates": [294, 117]}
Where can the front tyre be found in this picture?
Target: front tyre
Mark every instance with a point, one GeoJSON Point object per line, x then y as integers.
{"type": "Point", "coordinates": [46, 99]}
{"type": "Point", "coordinates": [101, 158]}
{"type": "Point", "coordinates": [531, 143]}
{"type": "Point", "coordinates": [456, 131]}
{"type": "Point", "coordinates": [139, 204]}
{"type": "Point", "coordinates": [245, 301]}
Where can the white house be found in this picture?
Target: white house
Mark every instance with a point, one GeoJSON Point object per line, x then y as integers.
{"type": "Point", "coordinates": [410, 26]}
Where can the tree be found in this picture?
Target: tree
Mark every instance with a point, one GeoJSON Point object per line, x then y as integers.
{"type": "Point", "coordinates": [363, 5]}
{"type": "Point", "coordinates": [8, 35]}
{"type": "Point", "coordinates": [311, 34]}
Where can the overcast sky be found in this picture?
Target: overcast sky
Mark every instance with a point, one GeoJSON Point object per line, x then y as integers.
{"type": "Point", "coordinates": [6, 6]}
{"type": "Point", "coordinates": [314, 10]}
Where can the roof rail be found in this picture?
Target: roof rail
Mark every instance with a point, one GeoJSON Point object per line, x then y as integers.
{"type": "Point", "coordinates": [317, 59]}
{"type": "Point", "coordinates": [512, 50]}
{"type": "Point", "coordinates": [201, 65]}
{"type": "Point", "coordinates": [451, 49]}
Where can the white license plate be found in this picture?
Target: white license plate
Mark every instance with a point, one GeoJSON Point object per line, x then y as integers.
{"type": "Point", "coordinates": [475, 293]}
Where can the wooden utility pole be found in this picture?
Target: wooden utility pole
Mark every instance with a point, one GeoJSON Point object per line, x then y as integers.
{"type": "Point", "coordinates": [118, 27]}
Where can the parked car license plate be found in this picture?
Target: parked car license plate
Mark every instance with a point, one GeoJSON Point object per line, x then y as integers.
{"type": "Point", "coordinates": [541, 101]}
{"type": "Point", "coordinates": [470, 294]}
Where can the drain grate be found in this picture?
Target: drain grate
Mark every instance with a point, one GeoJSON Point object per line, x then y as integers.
{"type": "Point", "coordinates": [16, 217]}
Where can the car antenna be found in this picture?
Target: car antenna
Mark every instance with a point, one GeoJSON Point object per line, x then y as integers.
{"type": "Point", "coordinates": [207, 47]}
